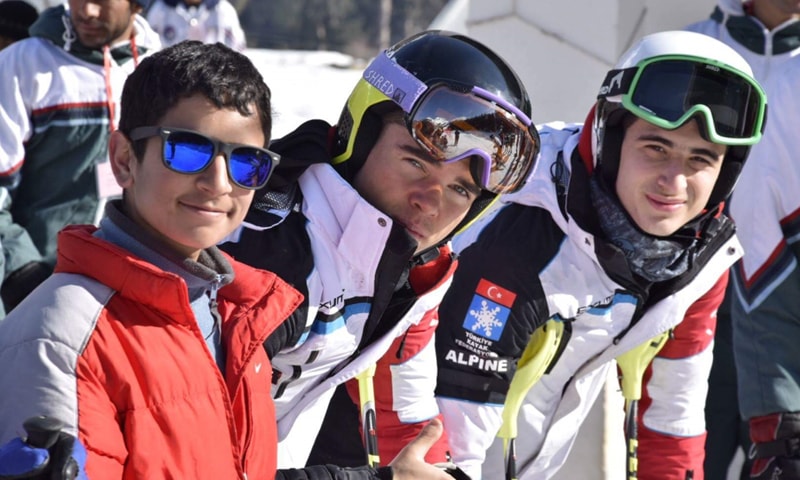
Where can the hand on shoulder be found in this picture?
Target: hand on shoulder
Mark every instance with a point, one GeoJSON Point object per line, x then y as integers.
{"type": "Point", "coordinates": [410, 462]}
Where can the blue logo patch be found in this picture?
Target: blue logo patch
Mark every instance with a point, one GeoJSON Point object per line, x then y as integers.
{"type": "Point", "coordinates": [486, 318]}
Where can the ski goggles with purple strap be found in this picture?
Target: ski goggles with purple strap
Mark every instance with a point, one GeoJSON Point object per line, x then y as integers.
{"type": "Point", "coordinates": [453, 122]}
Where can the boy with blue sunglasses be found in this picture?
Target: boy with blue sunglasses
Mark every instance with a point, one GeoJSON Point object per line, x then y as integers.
{"type": "Point", "coordinates": [142, 345]}
{"type": "Point", "coordinates": [142, 357]}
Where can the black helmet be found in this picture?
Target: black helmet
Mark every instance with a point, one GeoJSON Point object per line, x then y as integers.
{"type": "Point", "coordinates": [449, 86]}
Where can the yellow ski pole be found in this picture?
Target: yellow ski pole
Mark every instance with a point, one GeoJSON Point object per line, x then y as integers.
{"type": "Point", "coordinates": [366, 395]}
{"type": "Point", "coordinates": [537, 356]}
{"type": "Point", "coordinates": [632, 364]}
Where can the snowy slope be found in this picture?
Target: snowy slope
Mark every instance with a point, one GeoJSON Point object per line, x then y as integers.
{"type": "Point", "coordinates": [306, 84]}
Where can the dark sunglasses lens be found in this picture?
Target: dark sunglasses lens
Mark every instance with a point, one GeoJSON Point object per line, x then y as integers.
{"type": "Point", "coordinates": [732, 101]}
{"type": "Point", "coordinates": [187, 152]}
{"type": "Point", "coordinates": [670, 88]}
{"type": "Point", "coordinates": [250, 167]}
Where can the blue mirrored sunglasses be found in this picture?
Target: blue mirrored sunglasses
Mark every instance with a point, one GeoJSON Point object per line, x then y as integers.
{"type": "Point", "coordinates": [190, 152]}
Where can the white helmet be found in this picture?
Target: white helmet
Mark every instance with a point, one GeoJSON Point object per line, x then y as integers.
{"type": "Point", "coordinates": [668, 78]}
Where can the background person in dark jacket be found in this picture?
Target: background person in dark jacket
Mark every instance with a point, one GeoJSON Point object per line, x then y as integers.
{"type": "Point", "coordinates": [755, 353]}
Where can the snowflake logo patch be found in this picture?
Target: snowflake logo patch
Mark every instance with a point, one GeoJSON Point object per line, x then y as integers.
{"type": "Point", "coordinates": [489, 310]}
{"type": "Point", "coordinates": [486, 318]}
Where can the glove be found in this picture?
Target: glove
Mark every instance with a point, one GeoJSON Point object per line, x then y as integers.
{"type": "Point", "coordinates": [46, 454]}
{"type": "Point", "coordinates": [776, 446]}
{"type": "Point", "coordinates": [22, 281]}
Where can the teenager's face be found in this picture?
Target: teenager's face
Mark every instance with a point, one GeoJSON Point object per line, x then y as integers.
{"type": "Point", "coordinates": [666, 176]}
{"type": "Point", "coordinates": [791, 7]}
{"type": "Point", "coordinates": [428, 198]}
{"type": "Point", "coordinates": [188, 212]}
{"type": "Point", "coordinates": [102, 22]}
{"type": "Point", "coordinates": [775, 12]}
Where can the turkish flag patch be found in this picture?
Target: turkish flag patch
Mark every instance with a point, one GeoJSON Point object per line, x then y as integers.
{"type": "Point", "coordinates": [495, 293]}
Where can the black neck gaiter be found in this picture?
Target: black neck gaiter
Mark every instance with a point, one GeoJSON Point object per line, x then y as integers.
{"type": "Point", "coordinates": [655, 259]}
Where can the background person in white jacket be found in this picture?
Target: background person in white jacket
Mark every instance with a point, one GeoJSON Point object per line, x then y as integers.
{"type": "Point", "coordinates": [208, 21]}
{"type": "Point", "coordinates": [760, 329]}
{"type": "Point", "coordinates": [59, 103]}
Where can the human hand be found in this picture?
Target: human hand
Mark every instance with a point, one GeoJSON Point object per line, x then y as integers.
{"type": "Point", "coordinates": [410, 462]}
{"type": "Point", "coordinates": [47, 453]}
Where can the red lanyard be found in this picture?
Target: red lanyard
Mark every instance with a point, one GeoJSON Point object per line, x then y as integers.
{"type": "Point", "coordinates": [112, 124]}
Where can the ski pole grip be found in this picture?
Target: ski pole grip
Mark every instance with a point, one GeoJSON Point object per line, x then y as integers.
{"type": "Point", "coordinates": [42, 431]}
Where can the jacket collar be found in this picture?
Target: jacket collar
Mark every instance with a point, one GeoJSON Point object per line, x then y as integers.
{"type": "Point", "coordinates": [54, 25]}
{"type": "Point", "coordinates": [754, 36]}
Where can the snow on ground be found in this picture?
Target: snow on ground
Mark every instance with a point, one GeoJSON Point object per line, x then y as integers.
{"type": "Point", "coordinates": [306, 84]}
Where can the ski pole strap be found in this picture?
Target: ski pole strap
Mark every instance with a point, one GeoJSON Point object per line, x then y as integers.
{"type": "Point", "coordinates": [537, 357]}
{"type": "Point", "coordinates": [634, 362]}
{"type": "Point", "coordinates": [786, 447]}
{"type": "Point", "coordinates": [366, 394]}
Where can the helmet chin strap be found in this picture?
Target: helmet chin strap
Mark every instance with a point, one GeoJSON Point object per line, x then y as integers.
{"type": "Point", "coordinates": [586, 140]}
{"type": "Point", "coordinates": [608, 155]}
{"type": "Point", "coordinates": [366, 137]}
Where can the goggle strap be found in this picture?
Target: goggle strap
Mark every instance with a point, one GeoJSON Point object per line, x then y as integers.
{"type": "Point", "coordinates": [394, 81]}
{"type": "Point", "coordinates": [617, 82]}
{"type": "Point", "coordinates": [504, 104]}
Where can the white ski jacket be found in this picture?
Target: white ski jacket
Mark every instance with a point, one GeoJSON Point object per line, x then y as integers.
{"type": "Point", "coordinates": [354, 248]}
{"type": "Point", "coordinates": [530, 261]}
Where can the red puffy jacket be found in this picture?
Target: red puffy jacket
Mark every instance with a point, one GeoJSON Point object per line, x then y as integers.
{"type": "Point", "coordinates": [122, 360]}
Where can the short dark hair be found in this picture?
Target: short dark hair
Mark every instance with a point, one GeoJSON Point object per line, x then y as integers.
{"type": "Point", "coordinates": [16, 16]}
{"type": "Point", "coordinates": [224, 76]}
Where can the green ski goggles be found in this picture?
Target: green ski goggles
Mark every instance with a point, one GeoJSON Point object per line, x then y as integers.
{"type": "Point", "coordinates": [667, 91]}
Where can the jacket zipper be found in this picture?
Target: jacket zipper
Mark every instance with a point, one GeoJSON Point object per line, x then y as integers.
{"type": "Point", "coordinates": [213, 307]}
